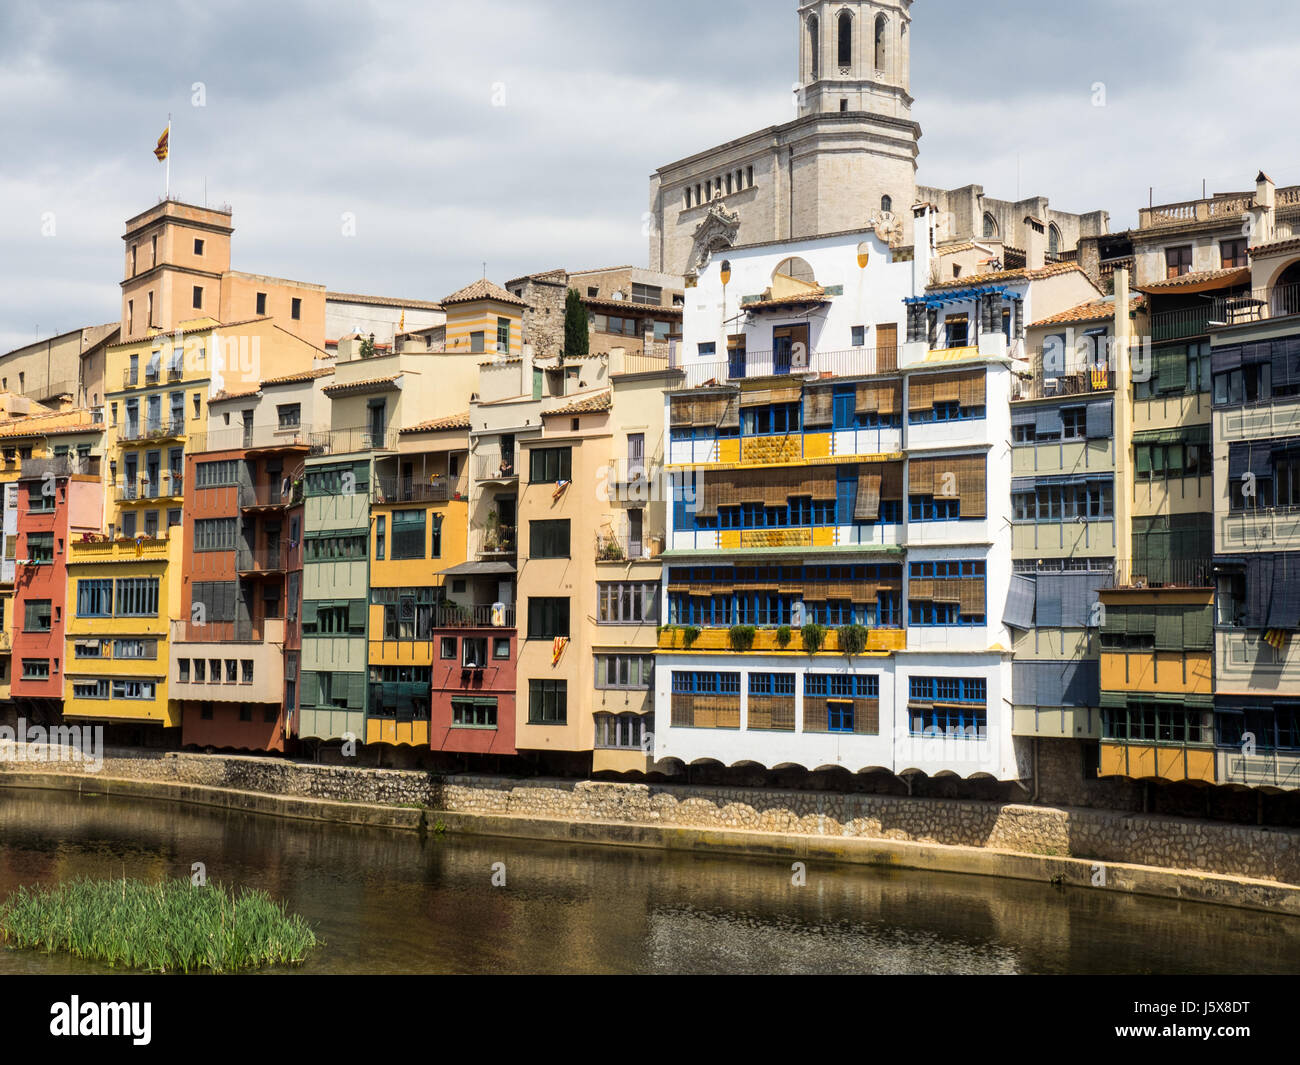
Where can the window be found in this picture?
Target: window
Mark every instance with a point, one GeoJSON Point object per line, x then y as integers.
{"type": "Point", "coordinates": [776, 419]}
{"type": "Point", "coordinates": [1091, 500]}
{"type": "Point", "coordinates": [289, 414]}
{"type": "Point", "coordinates": [447, 647]}
{"type": "Point", "coordinates": [40, 547]}
{"type": "Point", "coordinates": [620, 732]}
{"type": "Point", "coordinates": [627, 603]}
{"type": "Point", "coordinates": [211, 474]}
{"type": "Point", "coordinates": [859, 335]}
{"type": "Point", "coordinates": [95, 598]}
{"type": "Point", "coordinates": [653, 295]}
{"type": "Point", "coordinates": [635, 672]}
{"type": "Point", "coordinates": [474, 713]}
{"type": "Point", "coordinates": [1178, 261]}
{"type": "Point", "coordinates": [476, 342]}
{"type": "Point", "coordinates": [947, 592]}
{"type": "Point", "coordinates": [381, 536]}
{"type": "Point", "coordinates": [339, 480]}
{"type": "Point", "coordinates": [1232, 253]}
{"type": "Point", "coordinates": [547, 702]}
{"type": "Point", "coordinates": [198, 296]}
{"type": "Point", "coordinates": [473, 652]}
{"type": "Point", "coordinates": [216, 598]}
{"type": "Point", "coordinates": [261, 304]}
{"type": "Point", "coordinates": [200, 670]}
{"type": "Point", "coordinates": [147, 649]}
{"type": "Point", "coordinates": [548, 539]}
{"type": "Point", "coordinates": [36, 615]}
{"type": "Point", "coordinates": [197, 398]}
{"type": "Point", "coordinates": [295, 308]}
{"type": "Point", "coordinates": [36, 669]}
{"type": "Point", "coordinates": [183, 670]}
{"type": "Point", "coordinates": [215, 534]}
{"type": "Point", "coordinates": [550, 464]}
{"type": "Point", "coordinates": [198, 246]}
{"type": "Point", "coordinates": [548, 617]}
{"type": "Point", "coordinates": [503, 336]}
{"type": "Point", "coordinates": [90, 689]}
{"type": "Point", "coordinates": [246, 671]}
{"type": "Point", "coordinates": [137, 597]}
{"type": "Point", "coordinates": [948, 706]}
{"type": "Point", "coordinates": [408, 534]}
{"type": "Point", "coordinates": [501, 647]}
{"type": "Point", "coordinates": [37, 498]}
{"type": "Point", "coordinates": [707, 349]}
{"type": "Point", "coordinates": [133, 689]}
{"type": "Point", "coordinates": [89, 648]}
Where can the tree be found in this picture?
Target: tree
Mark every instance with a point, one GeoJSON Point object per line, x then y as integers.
{"type": "Point", "coordinates": [576, 340]}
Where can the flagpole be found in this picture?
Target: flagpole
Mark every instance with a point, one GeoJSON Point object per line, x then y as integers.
{"type": "Point", "coordinates": [167, 192]}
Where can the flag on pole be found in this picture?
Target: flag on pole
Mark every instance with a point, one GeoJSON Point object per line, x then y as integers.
{"type": "Point", "coordinates": [402, 322]}
{"type": "Point", "coordinates": [161, 150]}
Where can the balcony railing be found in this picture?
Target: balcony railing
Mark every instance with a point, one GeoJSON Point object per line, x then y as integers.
{"type": "Point", "coordinates": [854, 362]}
{"type": "Point", "coordinates": [237, 438]}
{"type": "Point", "coordinates": [498, 540]}
{"type": "Point", "coordinates": [270, 495]}
{"type": "Point", "coordinates": [346, 441]}
{"type": "Point", "coordinates": [1174, 214]}
{"type": "Point", "coordinates": [151, 430]}
{"type": "Point", "coordinates": [626, 549]}
{"type": "Point", "coordinates": [1163, 573]}
{"type": "Point", "coordinates": [409, 490]}
{"type": "Point", "coordinates": [190, 631]}
{"type": "Point", "coordinates": [166, 485]}
{"type": "Point", "coordinates": [493, 466]}
{"type": "Point", "coordinates": [1178, 325]}
{"type": "Point", "coordinates": [451, 616]}
{"type": "Point", "coordinates": [1072, 384]}
{"type": "Point", "coordinates": [1257, 305]}
{"type": "Point", "coordinates": [265, 559]}
{"type": "Point", "coordinates": [130, 378]}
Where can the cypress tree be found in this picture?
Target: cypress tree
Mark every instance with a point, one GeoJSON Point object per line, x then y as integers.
{"type": "Point", "coordinates": [576, 340]}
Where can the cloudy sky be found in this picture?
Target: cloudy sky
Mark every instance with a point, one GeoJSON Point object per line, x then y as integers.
{"type": "Point", "coordinates": [521, 133]}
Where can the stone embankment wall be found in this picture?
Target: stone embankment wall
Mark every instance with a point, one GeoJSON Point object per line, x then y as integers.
{"type": "Point", "coordinates": [1047, 831]}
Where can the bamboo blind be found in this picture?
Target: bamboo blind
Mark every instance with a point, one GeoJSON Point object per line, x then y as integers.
{"type": "Point", "coordinates": [965, 388]}
{"type": "Point", "coordinates": [884, 397]}
{"type": "Point", "coordinates": [817, 406]}
{"type": "Point", "coordinates": [929, 477]}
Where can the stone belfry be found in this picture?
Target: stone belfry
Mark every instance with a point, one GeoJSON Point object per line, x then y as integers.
{"type": "Point", "coordinates": [853, 56]}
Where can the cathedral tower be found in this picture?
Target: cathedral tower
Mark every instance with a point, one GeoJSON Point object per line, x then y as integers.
{"type": "Point", "coordinates": [853, 56]}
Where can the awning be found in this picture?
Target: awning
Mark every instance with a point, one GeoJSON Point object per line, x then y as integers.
{"type": "Point", "coordinates": [479, 569]}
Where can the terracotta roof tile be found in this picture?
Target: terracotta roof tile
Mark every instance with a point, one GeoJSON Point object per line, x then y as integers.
{"type": "Point", "coordinates": [306, 375]}
{"type": "Point", "coordinates": [483, 289]}
{"type": "Point", "coordinates": [641, 310]}
{"type": "Point", "coordinates": [383, 301]}
{"type": "Point", "coordinates": [1096, 311]}
{"type": "Point", "coordinates": [1209, 279]}
{"type": "Point", "coordinates": [68, 421]}
{"type": "Point", "coordinates": [1019, 274]}
{"type": "Point", "coordinates": [815, 296]}
{"type": "Point", "coordinates": [358, 386]}
{"type": "Point", "coordinates": [433, 425]}
{"type": "Point", "coordinates": [593, 404]}
{"type": "Point", "coordinates": [224, 395]}
{"type": "Point", "coordinates": [1290, 244]}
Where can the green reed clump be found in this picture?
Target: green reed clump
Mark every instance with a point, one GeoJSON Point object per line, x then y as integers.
{"type": "Point", "coordinates": [161, 927]}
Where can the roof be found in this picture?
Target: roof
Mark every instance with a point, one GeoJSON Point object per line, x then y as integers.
{"type": "Point", "coordinates": [593, 404]}
{"type": "Point", "coordinates": [211, 324]}
{"type": "Point", "coordinates": [433, 425]}
{"type": "Point", "coordinates": [306, 375]}
{"type": "Point", "coordinates": [384, 301]}
{"type": "Point", "coordinates": [629, 305]}
{"type": "Point", "coordinates": [370, 383]}
{"type": "Point", "coordinates": [478, 569]}
{"type": "Point", "coordinates": [483, 289]}
{"type": "Point", "coordinates": [1096, 311]}
{"type": "Point", "coordinates": [67, 421]}
{"type": "Point", "coordinates": [1200, 280]}
{"type": "Point", "coordinates": [559, 276]}
{"type": "Point", "coordinates": [223, 394]}
{"type": "Point", "coordinates": [1019, 274]}
{"type": "Point", "coordinates": [817, 295]}
{"type": "Point", "coordinates": [1290, 244]}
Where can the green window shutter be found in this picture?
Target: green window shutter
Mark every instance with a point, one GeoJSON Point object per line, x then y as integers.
{"type": "Point", "coordinates": [1169, 628]}
{"type": "Point", "coordinates": [1142, 622]}
{"type": "Point", "coordinates": [356, 691]}
{"type": "Point", "coordinates": [1116, 619]}
{"type": "Point", "coordinates": [310, 689]}
{"type": "Point", "coordinates": [1142, 457]}
{"type": "Point", "coordinates": [1198, 628]}
{"type": "Point", "coordinates": [356, 613]}
{"type": "Point", "coordinates": [309, 613]}
{"type": "Point", "coordinates": [1113, 700]}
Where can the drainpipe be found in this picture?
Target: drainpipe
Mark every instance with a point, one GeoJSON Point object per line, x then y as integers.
{"type": "Point", "coordinates": [1033, 798]}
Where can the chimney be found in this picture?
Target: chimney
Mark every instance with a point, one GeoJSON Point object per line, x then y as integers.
{"type": "Point", "coordinates": [922, 246]}
{"type": "Point", "coordinates": [1035, 243]}
{"type": "Point", "coordinates": [1262, 216]}
{"type": "Point", "coordinates": [349, 347]}
{"type": "Point", "coordinates": [1264, 190]}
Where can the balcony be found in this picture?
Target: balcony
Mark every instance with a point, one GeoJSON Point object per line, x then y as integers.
{"type": "Point", "coordinates": [190, 631]}
{"type": "Point", "coordinates": [451, 616]}
{"type": "Point", "coordinates": [1221, 208]}
{"type": "Point", "coordinates": [1179, 325]}
{"type": "Point", "coordinates": [1274, 769]}
{"type": "Point", "coordinates": [1163, 573]}
{"type": "Point", "coordinates": [269, 496]}
{"type": "Point", "coordinates": [409, 490]}
{"type": "Point", "coordinates": [266, 559]}
{"type": "Point", "coordinates": [151, 430]}
{"type": "Point", "coordinates": [498, 542]}
{"type": "Point", "coordinates": [255, 437]}
{"type": "Point", "coordinates": [166, 485]}
{"type": "Point", "coordinates": [626, 549]}
{"type": "Point", "coordinates": [1257, 305]}
{"type": "Point", "coordinates": [1071, 384]}
{"type": "Point", "coordinates": [854, 362]}
{"type": "Point", "coordinates": [349, 441]}
{"type": "Point", "coordinates": [493, 466]}
{"type": "Point", "coordinates": [130, 378]}
{"type": "Point", "coordinates": [674, 638]}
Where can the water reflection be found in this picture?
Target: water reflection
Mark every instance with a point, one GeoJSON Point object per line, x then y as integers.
{"type": "Point", "coordinates": [395, 902]}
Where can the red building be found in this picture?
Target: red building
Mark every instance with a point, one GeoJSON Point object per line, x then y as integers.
{"type": "Point", "coordinates": [54, 504]}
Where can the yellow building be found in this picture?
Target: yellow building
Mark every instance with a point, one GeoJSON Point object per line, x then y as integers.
{"type": "Point", "coordinates": [122, 595]}
{"type": "Point", "coordinates": [418, 525]}
{"type": "Point", "coordinates": [157, 392]}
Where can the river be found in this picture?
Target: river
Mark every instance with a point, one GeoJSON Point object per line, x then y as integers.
{"type": "Point", "coordinates": [392, 902]}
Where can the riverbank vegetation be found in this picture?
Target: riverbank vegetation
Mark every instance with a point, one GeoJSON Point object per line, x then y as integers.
{"type": "Point", "coordinates": [169, 926]}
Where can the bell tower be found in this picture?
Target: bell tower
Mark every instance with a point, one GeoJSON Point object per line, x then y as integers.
{"type": "Point", "coordinates": [854, 56]}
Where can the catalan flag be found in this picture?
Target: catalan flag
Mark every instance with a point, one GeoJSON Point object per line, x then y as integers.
{"type": "Point", "coordinates": [1276, 638]}
{"type": "Point", "coordinates": [161, 150]}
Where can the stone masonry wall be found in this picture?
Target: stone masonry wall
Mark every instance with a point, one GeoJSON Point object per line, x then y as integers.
{"type": "Point", "coordinates": [1113, 836]}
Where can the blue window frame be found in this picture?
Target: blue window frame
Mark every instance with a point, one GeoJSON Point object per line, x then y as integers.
{"type": "Point", "coordinates": [927, 508]}
{"type": "Point", "coordinates": [948, 411]}
{"type": "Point", "coordinates": [95, 598]}
{"type": "Point", "coordinates": [771, 684]}
{"type": "Point", "coordinates": [775, 419]}
{"type": "Point", "coordinates": [844, 408]}
{"type": "Point", "coordinates": [842, 685]}
{"type": "Point", "coordinates": [707, 683]}
{"type": "Point", "coordinates": [942, 612]}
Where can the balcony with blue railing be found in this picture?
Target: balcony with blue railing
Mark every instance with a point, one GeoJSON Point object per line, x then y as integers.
{"type": "Point", "coordinates": [789, 361]}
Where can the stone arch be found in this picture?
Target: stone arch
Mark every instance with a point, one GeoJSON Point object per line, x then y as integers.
{"type": "Point", "coordinates": [1286, 274]}
{"type": "Point", "coordinates": [881, 43]}
{"type": "Point", "coordinates": [1284, 292]}
{"type": "Point", "coordinates": [814, 46]}
{"type": "Point", "coordinates": [1053, 240]}
{"type": "Point", "coordinates": [886, 203]}
{"type": "Point", "coordinates": [795, 268]}
{"type": "Point", "coordinates": [990, 226]}
{"type": "Point", "coordinates": [844, 40]}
